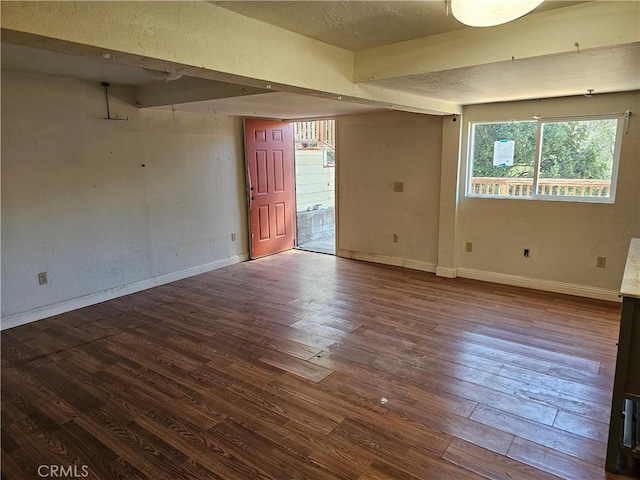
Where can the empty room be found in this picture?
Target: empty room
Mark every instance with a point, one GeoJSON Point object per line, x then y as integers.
{"type": "Point", "coordinates": [477, 314]}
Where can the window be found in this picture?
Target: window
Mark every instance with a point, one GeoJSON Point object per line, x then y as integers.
{"type": "Point", "coordinates": [572, 159]}
{"type": "Point", "coordinates": [495, 176]}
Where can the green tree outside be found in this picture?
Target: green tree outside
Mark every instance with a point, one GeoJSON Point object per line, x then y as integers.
{"type": "Point", "coordinates": [570, 150]}
{"type": "Point", "coordinates": [486, 134]}
{"type": "Point", "coordinates": [582, 149]}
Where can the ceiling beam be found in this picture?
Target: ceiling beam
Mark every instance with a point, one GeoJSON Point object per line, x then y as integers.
{"type": "Point", "coordinates": [570, 29]}
{"type": "Point", "coordinates": [189, 90]}
{"type": "Point", "coordinates": [201, 40]}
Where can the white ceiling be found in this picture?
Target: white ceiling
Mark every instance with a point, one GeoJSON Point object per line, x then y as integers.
{"type": "Point", "coordinates": [270, 104]}
{"type": "Point", "coordinates": [356, 25]}
{"type": "Point", "coordinates": [603, 70]}
{"type": "Point", "coordinates": [32, 60]}
{"type": "Point", "coordinates": [352, 25]}
{"type": "Point", "coordinates": [277, 105]}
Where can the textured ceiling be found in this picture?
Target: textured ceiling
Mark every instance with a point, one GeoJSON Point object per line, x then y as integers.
{"type": "Point", "coordinates": [33, 60]}
{"type": "Point", "coordinates": [603, 70]}
{"type": "Point", "coordinates": [362, 25]}
{"type": "Point", "coordinates": [356, 25]}
{"type": "Point", "coordinates": [352, 25]}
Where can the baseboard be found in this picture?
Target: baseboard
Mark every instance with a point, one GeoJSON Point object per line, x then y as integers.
{"type": "Point", "coordinates": [93, 298]}
{"type": "Point", "coordinates": [388, 260]}
{"type": "Point", "coordinates": [539, 284]}
{"type": "Point", "coordinates": [446, 272]}
{"type": "Point", "coordinates": [493, 277]}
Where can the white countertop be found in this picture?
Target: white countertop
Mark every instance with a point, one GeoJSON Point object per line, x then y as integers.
{"type": "Point", "coordinates": [631, 278]}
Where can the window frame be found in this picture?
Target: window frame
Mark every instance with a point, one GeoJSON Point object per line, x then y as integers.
{"type": "Point", "coordinates": [619, 117]}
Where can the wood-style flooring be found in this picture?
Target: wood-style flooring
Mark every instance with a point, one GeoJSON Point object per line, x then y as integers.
{"type": "Point", "coordinates": [309, 366]}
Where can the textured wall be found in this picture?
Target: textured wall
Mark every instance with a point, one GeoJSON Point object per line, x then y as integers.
{"type": "Point", "coordinates": [564, 238]}
{"type": "Point", "coordinates": [374, 152]}
{"type": "Point", "coordinates": [78, 203]}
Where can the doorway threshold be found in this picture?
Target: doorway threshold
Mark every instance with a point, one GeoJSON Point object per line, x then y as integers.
{"type": "Point", "coordinates": [321, 245]}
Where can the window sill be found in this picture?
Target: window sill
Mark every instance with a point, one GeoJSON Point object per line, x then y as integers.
{"type": "Point", "coordinates": [549, 198]}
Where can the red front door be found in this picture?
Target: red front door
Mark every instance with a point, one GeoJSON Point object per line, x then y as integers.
{"type": "Point", "coordinates": [269, 156]}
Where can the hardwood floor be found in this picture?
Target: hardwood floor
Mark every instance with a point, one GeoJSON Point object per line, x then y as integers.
{"type": "Point", "coordinates": [303, 365]}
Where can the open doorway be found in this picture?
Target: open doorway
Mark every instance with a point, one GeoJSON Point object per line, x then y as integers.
{"type": "Point", "coordinates": [315, 161]}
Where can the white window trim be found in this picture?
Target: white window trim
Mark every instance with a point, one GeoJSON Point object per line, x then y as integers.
{"type": "Point", "coordinates": [538, 152]}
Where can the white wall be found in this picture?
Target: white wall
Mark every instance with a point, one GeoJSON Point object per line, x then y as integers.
{"type": "Point", "coordinates": [315, 183]}
{"type": "Point", "coordinates": [78, 203]}
{"type": "Point", "coordinates": [434, 219]}
{"type": "Point", "coordinates": [375, 151]}
{"type": "Point", "coordinates": [564, 237]}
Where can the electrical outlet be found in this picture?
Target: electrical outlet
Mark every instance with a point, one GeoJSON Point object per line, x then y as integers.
{"type": "Point", "coordinates": [42, 278]}
{"type": "Point", "coordinates": [526, 252]}
{"type": "Point", "coordinates": [469, 247]}
{"type": "Point", "coordinates": [233, 237]}
{"type": "Point", "coordinates": [601, 262]}
{"type": "Point", "coordinates": [395, 238]}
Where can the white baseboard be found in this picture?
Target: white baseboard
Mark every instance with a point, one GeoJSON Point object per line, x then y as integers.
{"type": "Point", "coordinates": [501, 278]}
{"type": "Point", "coordinates": [388, 260]}
{"type": "Point", "coordinates": [539, 284]}
{"type": "Point", "coordinates": [446, 272]}
{"type": "Point", "coordinates": [93, 298]}
{"type": "Point", "coordinates": [493, 277]}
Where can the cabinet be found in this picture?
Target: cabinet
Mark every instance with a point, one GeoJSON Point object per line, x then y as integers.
{"type": "Point", "coordinates": [624, 427]}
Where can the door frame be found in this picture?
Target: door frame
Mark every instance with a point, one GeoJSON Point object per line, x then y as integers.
{"type": "Point", "coordinates": [336, 172]}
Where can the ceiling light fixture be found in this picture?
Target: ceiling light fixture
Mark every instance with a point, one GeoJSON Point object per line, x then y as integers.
{"type": "Point", "coordinates": [164, 76]}
{"type": "Point", "coordinates": [487, 13]}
